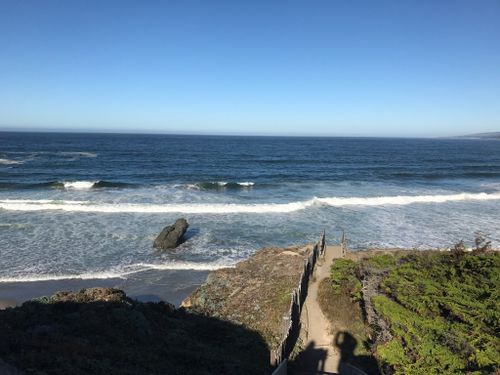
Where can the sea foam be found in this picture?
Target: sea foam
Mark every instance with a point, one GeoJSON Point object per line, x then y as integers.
{"type": "Point", "coordinates": [10, 162]}
{"type": "Point", "coordinates": [120, 272]}
{"type": "Point", "coordinates": [79, 185]}
{"type": "Point", "coordinates": [87, 206]}
{"type": "Point", "coordinates": [226, 208]}
{"type": "Point", "coordinates": [407, 199]}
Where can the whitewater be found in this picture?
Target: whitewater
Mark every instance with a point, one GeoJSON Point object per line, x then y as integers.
{"type": "Point", "coordinates": [88, 206]}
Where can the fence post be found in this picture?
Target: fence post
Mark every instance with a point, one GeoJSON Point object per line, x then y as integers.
{"type": "Point", "coordinates": [343, 244]}
{"type": "Point", "coordinates": [322, 244]}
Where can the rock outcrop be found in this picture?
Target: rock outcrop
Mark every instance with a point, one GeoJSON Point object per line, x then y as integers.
{"type": "Point", "coordinates": [171, 236]}
{"type": "Point", "coordinates": [256, 293]}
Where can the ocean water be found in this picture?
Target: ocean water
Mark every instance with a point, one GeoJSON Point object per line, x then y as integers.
{"type": "Point", "coordinates": [89, 206]}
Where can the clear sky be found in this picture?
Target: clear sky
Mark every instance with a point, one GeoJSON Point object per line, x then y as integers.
{"type": "Point", "coordinates": [400, 68]}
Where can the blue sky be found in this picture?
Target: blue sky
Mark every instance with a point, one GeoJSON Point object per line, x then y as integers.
{"type": "Point", "coordinates": [372, 68]}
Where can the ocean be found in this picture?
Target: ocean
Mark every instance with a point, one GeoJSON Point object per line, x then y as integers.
{"type": "Point", "coordinates": [89, 206]}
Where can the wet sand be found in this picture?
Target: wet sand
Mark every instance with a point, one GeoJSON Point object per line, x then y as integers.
{"type": "Point", "coordinates": [172, 286]}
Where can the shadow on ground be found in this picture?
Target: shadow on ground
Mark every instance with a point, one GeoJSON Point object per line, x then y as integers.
{"type": "Point", "coordinates": [312, 359]}
{"type": "Point", "coordinates": [101, 331]}
{"type": "Point", "coordinates": [347, 344]}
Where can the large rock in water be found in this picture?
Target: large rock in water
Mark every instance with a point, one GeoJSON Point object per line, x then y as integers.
{"type": "Point", "coordinates": [171, 236]}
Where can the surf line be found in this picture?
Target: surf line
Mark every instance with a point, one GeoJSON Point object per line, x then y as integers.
{"type": "Point", "coordinates": [229, 208]}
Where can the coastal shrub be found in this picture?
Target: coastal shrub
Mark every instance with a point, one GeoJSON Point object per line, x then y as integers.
{"type": "Point", "coordinates": [381, 262]}
{"type": "Point", "coordinates": [444, 314]}
{"type": "Point", "coordinates": [339, 298]}
{"type": "Point", "coordinates": [344, 280]}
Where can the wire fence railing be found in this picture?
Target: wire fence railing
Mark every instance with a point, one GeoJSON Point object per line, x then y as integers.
{"type": "Point", "coordinates": [291, 321]}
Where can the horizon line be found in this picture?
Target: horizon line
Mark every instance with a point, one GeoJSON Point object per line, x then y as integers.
{"type": "Point", "coordinates": [222, 134]}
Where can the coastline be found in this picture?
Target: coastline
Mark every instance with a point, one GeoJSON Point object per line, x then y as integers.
{"type": "Point", "coordinates": [172, 286]}
{"type": "Point", "coordinates": [146, 286]}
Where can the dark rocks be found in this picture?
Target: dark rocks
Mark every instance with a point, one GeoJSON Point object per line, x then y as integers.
{"type": "Point", "coordinates": [256, 293]}
{"type": "Point", "coordinates": [89, 295]}
{"type": "Point", "coordinates": [171, 236]}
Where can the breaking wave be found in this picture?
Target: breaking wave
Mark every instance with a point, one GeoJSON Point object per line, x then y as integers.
{"type": "Point", "coordinates": [407, 199]}
{"type": "Point", "coordinates": [79, 185]}
{"type": "Point", "coordinates": [10, 162]}
{"type": "Point", "coordinates": [222, 185]}
{"type": "Point", "coordinates": [120, 273]}
{"type": "Point", "coordinates": [86, 206]}
{"type": "Point", "coordinates": [228, 208]}
{"type": "Point", "coordinates": [69, 185]}
{"type": "Point", "coordinates": [83, 185]}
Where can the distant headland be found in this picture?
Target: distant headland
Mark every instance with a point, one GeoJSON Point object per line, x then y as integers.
{"type": "Point", "coordinates": [490, 135]}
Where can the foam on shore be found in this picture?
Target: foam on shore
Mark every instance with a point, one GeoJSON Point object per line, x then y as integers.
{"type": "Point", "coordinates": [120, 273]}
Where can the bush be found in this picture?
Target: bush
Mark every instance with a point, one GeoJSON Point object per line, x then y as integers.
{"type": "Point", "coordinates": [344, 279]}
{"type": "Point", "coordinates": [444, 314]}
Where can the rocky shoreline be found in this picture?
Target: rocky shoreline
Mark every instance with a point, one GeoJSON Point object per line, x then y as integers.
{"type": "Point", "coordinates": [256, 293]}
{"type": "Point", "coordinates": [236, 314]}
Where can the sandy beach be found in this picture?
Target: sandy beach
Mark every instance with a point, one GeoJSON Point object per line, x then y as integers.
{"type": "Point", "coordinates": [165, 285]}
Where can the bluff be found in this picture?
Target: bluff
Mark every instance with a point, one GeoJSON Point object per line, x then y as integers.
{"type": "Point", "coordinates": [256, 293]}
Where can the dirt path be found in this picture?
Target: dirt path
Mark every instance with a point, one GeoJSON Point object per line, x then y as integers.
{"type": "Point", "coordinates": [319, 355]}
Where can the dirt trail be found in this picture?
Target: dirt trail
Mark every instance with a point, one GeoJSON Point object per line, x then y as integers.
{"type": "Point", "coordinates": [319, 356]}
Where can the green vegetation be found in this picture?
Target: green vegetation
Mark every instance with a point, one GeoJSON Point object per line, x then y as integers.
{"type": "Point", "coordinates": [344, 314]}
{"type": "Point", "coordinates": [444, 314]}
{"type": "Point", "coordinates": [339, 298]}
{"type": "Point", "coordinates": [381, 262]}
{"type": "Point", "coordinates": [428, 312]}
{"type": "Point", "coordinates": [344, 279]}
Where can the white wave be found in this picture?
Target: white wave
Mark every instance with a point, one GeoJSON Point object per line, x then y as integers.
{"type": "Point", "coordinates": [85, 206]}
{"type": "Point", "coordinates": [10, 162]}
{"type": "Point", "coordinates": [221, 208]}
{"type": "Point", "coordinates": [407, 199]}
{"type": "Point", "coordinates": [120, 274]}
{"type": "Point", "coordinates": [246, 183]}
{"type": "Point", "coordinates": [221, 183]}
{"type": "Point", "coordinates": [41, 201]}
{"type": "Point", "coordinates": [79, 185]}
{"type": "Point", "coordinates": [186, 266]}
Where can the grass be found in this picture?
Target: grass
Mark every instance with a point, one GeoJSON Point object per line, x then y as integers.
{"type": "Point", "coordinates": [344, 314]}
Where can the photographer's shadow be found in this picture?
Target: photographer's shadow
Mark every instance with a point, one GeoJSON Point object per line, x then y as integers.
{"type": "Point", "coordinates": [351, 364]}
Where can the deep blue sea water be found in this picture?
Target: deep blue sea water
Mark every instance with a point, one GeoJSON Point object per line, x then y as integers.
{"type": "Point", "coordinates": [90, 205]}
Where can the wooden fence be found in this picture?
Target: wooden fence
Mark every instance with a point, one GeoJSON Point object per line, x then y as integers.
{"type": "Point", "coordinates": [291, 321]}
{"type": "Point", "coordinates": [343, 244]}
